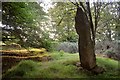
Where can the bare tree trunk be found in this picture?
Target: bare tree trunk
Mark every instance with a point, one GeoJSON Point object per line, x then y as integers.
{"type": "Point", "coordinates": [86, 45]}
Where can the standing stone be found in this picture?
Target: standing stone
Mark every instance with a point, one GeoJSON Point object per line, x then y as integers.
{"type": "Point", "coordinates": [85, 44]}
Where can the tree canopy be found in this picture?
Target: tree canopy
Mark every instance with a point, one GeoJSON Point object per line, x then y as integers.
{"type": "Point", "coordinates": [28, 24]}
{"type": "Point", "coordinates": [22, 22]}
{"type": "Point", "coordinates": [63, 21]}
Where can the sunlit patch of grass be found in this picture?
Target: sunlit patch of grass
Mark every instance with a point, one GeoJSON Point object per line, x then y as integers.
{"type": "Point", "coordinates": [15, 51]}
{"type": "Point", "coordinates": [42, 50]}
{"type": "Point", "coordinates": [37, 50]}
{"type": "Point", "coordinates": [26, 52]}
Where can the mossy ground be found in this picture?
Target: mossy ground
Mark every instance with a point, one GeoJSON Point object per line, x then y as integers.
{"type": "Point", "coordinates": [12, 57]}
{"type": "Point", "coordinates": [62, 65]}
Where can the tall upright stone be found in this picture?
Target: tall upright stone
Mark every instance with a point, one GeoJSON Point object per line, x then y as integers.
{"type": "Point", "coordinates": [86, 47]}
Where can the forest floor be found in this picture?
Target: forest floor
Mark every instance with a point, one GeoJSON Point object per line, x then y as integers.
{"type": "Point", "coordinates": [37, 63]}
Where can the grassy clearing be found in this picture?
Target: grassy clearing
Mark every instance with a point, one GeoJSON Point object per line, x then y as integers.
{"type": "Point", "coordinates": [62, 66]}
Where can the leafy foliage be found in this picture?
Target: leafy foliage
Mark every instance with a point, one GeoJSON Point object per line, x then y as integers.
{"type": "Point", "coordinates": [107, 22]}
{"type": "Point", "coordinates": [22, 23]}
{"type": "Point", "coordinates": [63, 21]}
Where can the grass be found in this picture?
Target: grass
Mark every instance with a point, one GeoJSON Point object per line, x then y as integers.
{"type": "Point", "coordinates": [111, 67]}
{"type": "Point", "coordinates": [13, 56]}
{"type": "Point", "coordinates": [62, 66]}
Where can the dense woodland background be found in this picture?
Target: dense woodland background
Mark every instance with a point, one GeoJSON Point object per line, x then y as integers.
{"type": "Point", "coordinates": [44, 44]}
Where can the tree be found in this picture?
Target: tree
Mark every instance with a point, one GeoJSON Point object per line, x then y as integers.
{"type": "Point", "coordinates": [22, 23]}
{"type": "Point", "coordinates": [62, 16]}
{"type": "Point", "coordinates": [107, 22]}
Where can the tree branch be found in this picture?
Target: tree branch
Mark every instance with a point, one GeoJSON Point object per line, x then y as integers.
{"type": "Point", "coordinates": [83, 6]}
{"type": "Point", "coordinates": [63, 16]}
{"type": "Point", "coordinates": [76, 4]}
{"type": "Point", "coordinates": [108, 20]}
{"type": "Point", "coordinates": [91, 22]}
{"type": "Point", "coordinates": [60, 21]}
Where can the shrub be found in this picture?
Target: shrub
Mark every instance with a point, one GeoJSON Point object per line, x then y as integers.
{"type": "Point", "coordinates": [70, 47]}
{"type": "Point", "coordinates": [106, 46]}
{"type": "Point", "coordinates": [110, 53]}
{"type": "Point", "coordinates": [54, 45]}
{"type": "Point", "coordinates": [47, 45]}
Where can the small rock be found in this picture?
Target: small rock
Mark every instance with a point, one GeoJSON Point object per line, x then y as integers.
{"type": "Point", "coordinates": [78, 64]}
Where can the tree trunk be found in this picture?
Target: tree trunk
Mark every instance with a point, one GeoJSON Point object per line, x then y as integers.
{"type": "Point", "coordinates": [109, 34]}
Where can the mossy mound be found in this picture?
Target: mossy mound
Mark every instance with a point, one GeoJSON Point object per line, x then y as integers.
{"type": "Point", "coordinates": [12, 57]}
